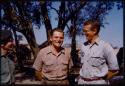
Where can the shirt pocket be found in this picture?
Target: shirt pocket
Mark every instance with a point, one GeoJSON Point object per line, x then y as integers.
{"type": "Point", "coordinates": [48, 66]}
{"type": "Point", "coordinates": [96, 61]}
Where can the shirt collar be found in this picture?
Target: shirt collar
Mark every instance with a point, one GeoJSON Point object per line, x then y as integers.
{"type": "Point", "coordinates": [97, 40]}
{"type": "Point", "coordinates": [50, 50]}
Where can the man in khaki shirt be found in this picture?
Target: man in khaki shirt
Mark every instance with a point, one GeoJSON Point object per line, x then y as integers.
{"type": "Point", "coordinates": [53, 62]}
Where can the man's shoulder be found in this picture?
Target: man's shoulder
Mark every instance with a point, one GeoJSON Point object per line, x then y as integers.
{"type": "Point", "coordinates": [103, 42]}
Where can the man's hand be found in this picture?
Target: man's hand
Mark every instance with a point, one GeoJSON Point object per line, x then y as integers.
{"type": "Point", "coordinates": [112, 73]}
{"type": "Point", "coordinates": [38, 75]}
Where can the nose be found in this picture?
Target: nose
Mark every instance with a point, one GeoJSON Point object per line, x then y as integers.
{"type": "Point", "coordinates": [59, 40]}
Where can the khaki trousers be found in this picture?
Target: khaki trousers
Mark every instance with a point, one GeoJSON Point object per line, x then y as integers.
{"type": "Point", "coordinates": [55, 82]}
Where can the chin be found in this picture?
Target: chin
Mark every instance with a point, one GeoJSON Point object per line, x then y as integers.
{"type": "Point", "coordinates": [58, 45]}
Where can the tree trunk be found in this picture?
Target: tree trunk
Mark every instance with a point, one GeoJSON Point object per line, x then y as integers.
{"type": "Point", "coordinates": [46, 43]}
{"type": "Point", "coordinates": [31, 41]}
{"type": "Point", "coordinates": [61, 15]}
{"type": "Point", "coordinates": [18, 55]}
{"type": "Point", "coordinates": [74, 53]}
{"type": "Point", "coordinates": [47, 23]}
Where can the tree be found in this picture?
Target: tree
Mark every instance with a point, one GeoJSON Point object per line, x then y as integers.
{"type": "Point", "coordinates": [22, 15]}
{"type": "Point", "coordinates": [17, 18]}
{"type": "Point", "coordinates": [82, 11]}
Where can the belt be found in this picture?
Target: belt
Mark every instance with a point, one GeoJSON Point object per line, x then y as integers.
{"type": "Point", "coordinates": [91, 79]}
{"type": "Point", "coordinates": [44, 78]}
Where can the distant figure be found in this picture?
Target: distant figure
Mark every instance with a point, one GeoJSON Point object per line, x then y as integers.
{"type": "Point", "coordinates": [7, 66]}
{"type": "Point", "coordinates": [99, 62]}
{"type": "Point", "coordinates": [53, 62]}
{"type": "Point", "coordinates": [119, 79]}
{"type": "Point", "coordinates": [120, 59]}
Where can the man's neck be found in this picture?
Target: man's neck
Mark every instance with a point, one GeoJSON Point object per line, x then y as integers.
{"type": "Point", "coordinates": [93, 40]}
{"type": "Point", "coordinates": [55, 50]}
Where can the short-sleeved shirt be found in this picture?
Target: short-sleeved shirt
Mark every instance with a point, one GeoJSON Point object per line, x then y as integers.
{"type": "Point", "coordinates": [97, 59]}
{"type": "Point", "coordinates": [53, 67]}
{"type": "Point", "coordinates": [7, 70]}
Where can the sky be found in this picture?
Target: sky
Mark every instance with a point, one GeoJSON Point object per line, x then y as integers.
{"type": "Point", "coordinates": [112, 33]}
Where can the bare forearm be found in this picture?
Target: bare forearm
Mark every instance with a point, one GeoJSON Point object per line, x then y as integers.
{"type": "Point", "coordinates": [112, 73]}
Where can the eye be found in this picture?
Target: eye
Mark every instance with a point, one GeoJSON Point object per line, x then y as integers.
{"type": "Point", "coordinates": [56, 37]}
{"type": "Point", "coordinates": [87, 31]}
{"type": "Point", "coordinates": [61, 37]}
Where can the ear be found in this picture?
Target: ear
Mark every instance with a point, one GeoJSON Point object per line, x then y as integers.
{"type": "Point", "coordinates": [94, 31]}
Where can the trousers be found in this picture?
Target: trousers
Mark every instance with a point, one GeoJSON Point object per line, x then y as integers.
{"type": "Point", "coordinates": [102, 81]}
{"type": "Point", "coordinates": [55, 82]}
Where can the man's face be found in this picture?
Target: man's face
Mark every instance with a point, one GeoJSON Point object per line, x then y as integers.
{"type": "Point", "coordinates": [57, 39]}
{"type": "Point", "coordinates": [88, 32]}
{"type": "Point", "coordinates": [9, 45]}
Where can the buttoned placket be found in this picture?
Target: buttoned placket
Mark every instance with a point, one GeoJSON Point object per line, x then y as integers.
{"type": "Point", "coordinates": [89, 55]}
{"type": "Point", "coordinates": [57, 63]}
{"type": "Point", "coordinates": [92, 54]}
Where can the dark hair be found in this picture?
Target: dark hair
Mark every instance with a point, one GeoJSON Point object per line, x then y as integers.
{"type": "Point", "coordinates": [95, 24]}
{"type": "Point", "coordinates": [56, 29]}
{"type": "Point", "coordinates": [5, 36]}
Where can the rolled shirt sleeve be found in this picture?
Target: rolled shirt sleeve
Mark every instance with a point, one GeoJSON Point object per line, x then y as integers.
{"type": "Point", "coordinates": [38, 61]}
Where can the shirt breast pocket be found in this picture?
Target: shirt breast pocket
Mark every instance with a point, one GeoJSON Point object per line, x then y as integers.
{"type": "Point", "coordinates": [49, 63]}
{"type": "Point", "coordinates": [96, 61]}
{"type": "Point", "coordinates": [48, 66]}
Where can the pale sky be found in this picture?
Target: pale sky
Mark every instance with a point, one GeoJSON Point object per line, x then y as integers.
{"type": "Point", "coordinates": [112, 33]}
